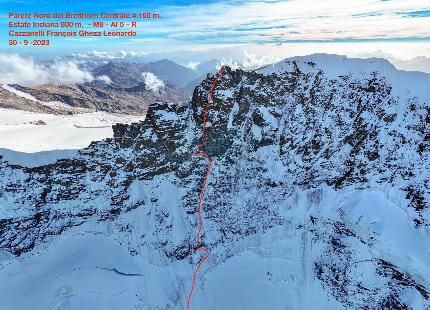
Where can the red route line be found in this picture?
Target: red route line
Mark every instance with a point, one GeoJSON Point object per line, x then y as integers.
{"type": "Point", "coordinates": [202, 192]}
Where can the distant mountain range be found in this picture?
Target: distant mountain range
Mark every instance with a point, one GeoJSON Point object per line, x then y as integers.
{"type": "Point", "coordinates": [128, 74]}
{"type": "Point", "coordinates": [119, 87]}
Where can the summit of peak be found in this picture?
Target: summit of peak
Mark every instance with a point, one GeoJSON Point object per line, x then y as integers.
{"type": "Point", "coordinates": [332, 64]}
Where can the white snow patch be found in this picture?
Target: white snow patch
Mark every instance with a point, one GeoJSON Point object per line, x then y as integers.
{"type": "Point", "coordinates": [232, 114]}
{"type": "Point", "coordinates": [19, 93]}
{"type": "Point", "coordinates": [256, 132]}
{"type": "Point", "coordinates": [167, 116]}
{"type": "Point", "coordinates": [268, 117]}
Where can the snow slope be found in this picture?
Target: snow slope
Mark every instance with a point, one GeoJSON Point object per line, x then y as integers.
{"type": "Point", "coordinates": [21, 132]}
{"type": "Point", "coordinates": [55, 105]}
{"type": "Point", "coordinates": [404, 83]}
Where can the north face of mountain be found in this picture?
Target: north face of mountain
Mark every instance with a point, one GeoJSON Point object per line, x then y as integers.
{"type": "Point", "coordinates": [318, 195]}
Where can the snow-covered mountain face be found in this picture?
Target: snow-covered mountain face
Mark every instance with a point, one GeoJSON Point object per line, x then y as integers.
{"type": "Point", "coordinates": [317, 199]}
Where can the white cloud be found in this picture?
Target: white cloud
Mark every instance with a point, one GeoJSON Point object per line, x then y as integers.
{"type": "Point", "coordinates": [230, 62]}
{"type": "Point", "coordinates": [261, 22]}
{"type": "Point", "coordinates": [253, 61]}
{"type": "Point", "coordinates": [193, 65]}
{"type": "Point", "coordinates": [67, 72]}
{"type": "Point", "coordinates": [248, 61]}
{"type": "Point", "coordinates": [104, 78]}
{"type": "Point", "coordinates": [108, 54]}
{"type": "Point", "coordinates": [26, 71]}
{"type": "Point", "coordinates": [152, 82]}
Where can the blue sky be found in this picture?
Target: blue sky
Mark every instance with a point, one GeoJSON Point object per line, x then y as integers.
{"type": "Point", "coordinates": [195, 25]}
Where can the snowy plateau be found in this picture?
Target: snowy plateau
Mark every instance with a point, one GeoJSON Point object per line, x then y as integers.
{"type": "Point", "coordinates": [318, 198]}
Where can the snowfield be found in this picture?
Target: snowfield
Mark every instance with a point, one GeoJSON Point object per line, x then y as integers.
{"type": "Point", "coordinates": [28, 132]}
{"type": "Point", "coordinates": [89, 268]}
